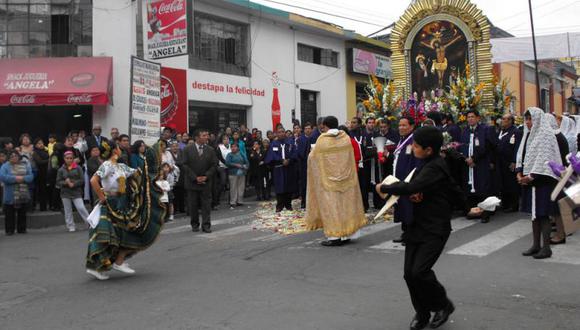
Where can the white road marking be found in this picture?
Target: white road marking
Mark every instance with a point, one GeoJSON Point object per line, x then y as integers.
{"type": "Point", "coordinates": [224, 221]}
{"type": "Point", "coordinates": [456, 224]}
{"type": "Point", "coordinates": [495, 240]}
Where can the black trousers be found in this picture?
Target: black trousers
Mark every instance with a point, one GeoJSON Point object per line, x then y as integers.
{"type": "Point", "coordinates": [427, 294]}
{"type": "Point", "coordinates": [179, 199]}
{"type": "Point", "coordinates": [41, 191]}
{"type": "Point", "coordinates": [283, 201]}
{"type": "Point", "coordinates": [15, 218]}
{"type": "Point", "coordinates": [197, 199]}
{"type": "Point", "coordinates": [364, 178]}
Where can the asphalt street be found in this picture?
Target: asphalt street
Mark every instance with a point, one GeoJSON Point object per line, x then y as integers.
{"type": "Point", "coordinates": [240, 278]}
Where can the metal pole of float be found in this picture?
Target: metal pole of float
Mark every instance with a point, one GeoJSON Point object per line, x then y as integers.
{"type": "Point", "coordinates": [538, 93]}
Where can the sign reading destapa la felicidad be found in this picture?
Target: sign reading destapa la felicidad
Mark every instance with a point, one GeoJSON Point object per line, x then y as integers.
{"type": "Point", "coordinates": [166, 28]}
{"type": "Point", "coordinates": [145, 101]}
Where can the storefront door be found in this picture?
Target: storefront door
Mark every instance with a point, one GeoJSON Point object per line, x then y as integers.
{"type": "Point", "coordinates": [216, 118]}
{"type": "Point", "coordinates": [41, 121]}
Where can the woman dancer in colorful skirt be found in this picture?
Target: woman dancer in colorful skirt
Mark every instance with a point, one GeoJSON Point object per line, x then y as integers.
{"type": "Point", "coordinates": [131, 212]}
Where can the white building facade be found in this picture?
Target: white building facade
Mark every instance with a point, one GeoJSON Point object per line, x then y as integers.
{"type": "Point", "coordinates": [238, 53]}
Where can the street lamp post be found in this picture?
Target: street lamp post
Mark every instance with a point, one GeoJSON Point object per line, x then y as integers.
{"type": "Point", "coordinates": [538, 93]}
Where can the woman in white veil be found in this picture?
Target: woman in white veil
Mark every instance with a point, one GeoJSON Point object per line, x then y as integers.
{"type": "Point", "coordinates": [569, 129]}
{"type": "Point", "coordinates": [538, 147]}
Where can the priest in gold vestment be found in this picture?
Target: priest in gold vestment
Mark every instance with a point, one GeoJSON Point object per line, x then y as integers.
{"type": "Point", "coordinates": [334, 200]}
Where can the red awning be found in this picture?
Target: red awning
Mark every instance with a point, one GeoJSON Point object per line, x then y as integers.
{"type": "Point", "coordinates": [56, 81]}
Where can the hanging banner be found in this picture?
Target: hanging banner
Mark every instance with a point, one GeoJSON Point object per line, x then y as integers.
{"type": "Point", "coordinates": [174, 99]}
{"type": "Point", "coordinates": [166, 28]}
{"type": "Point", "coordinates": [145, 101]}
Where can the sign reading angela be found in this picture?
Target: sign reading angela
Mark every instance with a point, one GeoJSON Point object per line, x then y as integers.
{"type": "Point", "coordinates": [166, 28]}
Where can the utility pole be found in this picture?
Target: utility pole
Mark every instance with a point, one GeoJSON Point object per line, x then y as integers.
{"type": "Point", "coordinates": [538, 90]}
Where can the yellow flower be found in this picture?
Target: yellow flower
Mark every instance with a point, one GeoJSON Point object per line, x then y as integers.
{"type": "Point", "coordinates": [462, 117]}
{"type": "Point", "coordinates": [367, 104]}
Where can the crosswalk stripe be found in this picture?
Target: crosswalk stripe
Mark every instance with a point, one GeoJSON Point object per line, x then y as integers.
{"type": "Point", "coordinates": [495, 240]}
{"type": "Point", "coordinates": [224, 221]}
{"type": "Point", "coordinates": [456, 224]}
{"type": "Point", "coordinates": [228, 232]}
{"type": "Point", "coordinates": [568, 253]}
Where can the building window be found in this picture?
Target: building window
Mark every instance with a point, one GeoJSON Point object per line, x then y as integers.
{"type": "Point", "coordinates": [310, 54]}
{"type": "Point", "coordinates": [220, 45]}
{"type": "Point", "coordinates": [545, 100]}
{"type": "Point", "coordinates": [43, 28]}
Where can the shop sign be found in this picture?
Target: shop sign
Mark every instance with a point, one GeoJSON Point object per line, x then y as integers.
{"type": "Point", "coordinates": [166, 28]}
{"type": "Point", "coordinates": [145, 101]}
{"type": "Point", "coordinates": [174, 99]}
{"type": "Point", "coordinates": [368, 63]}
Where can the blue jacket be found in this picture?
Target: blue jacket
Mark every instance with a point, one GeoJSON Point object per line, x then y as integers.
{"type": "Point", "coordinates": [9, 180]}
{"type": "Point", "coordinates": [236, 158]}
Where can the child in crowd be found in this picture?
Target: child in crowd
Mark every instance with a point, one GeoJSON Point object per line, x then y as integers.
{"type": "Point", "coordinates": [161, 182]}
{"type": "Point", "coordinates": [70, 179]}
{"type": "Point", "coordinates": [51, 143]}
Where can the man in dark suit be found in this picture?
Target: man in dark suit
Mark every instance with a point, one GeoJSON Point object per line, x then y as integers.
{"type": "Point", "coordinates": [199, 163]}
{"type": "Point", "coordinates": [96, 140]}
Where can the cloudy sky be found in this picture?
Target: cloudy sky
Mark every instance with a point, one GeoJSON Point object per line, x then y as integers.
{"type": "Point", "coordinates": [368, 16]}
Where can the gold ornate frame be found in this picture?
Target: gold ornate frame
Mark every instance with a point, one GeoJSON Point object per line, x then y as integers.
{"type": "Point", "coordinates": [465, 15]}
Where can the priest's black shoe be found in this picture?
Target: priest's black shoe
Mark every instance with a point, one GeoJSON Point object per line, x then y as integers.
{"type": "Point", "coordinates": [206, 230]}
{"type": "Point", "coordinates": [544, 253]}
{"type": "Point", "coordinates": [332, 242]}
{"type": "Point", "coordinates": [531, 251]}
{"type": "Point", "coordinates": [442, 316]}
{"type": "Point", "coordinates": [420, 322]}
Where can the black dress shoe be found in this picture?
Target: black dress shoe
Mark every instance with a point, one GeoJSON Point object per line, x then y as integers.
{"type": "Point", "coordinates": [195, 229]}
{"type": "Point", "coordinates": [531, 251]}
{"type": "Point", "coordinates": [332, 242]}
{"type": "Point", "coordinates": [544, 253]}
{"type": "Point", "coordinates": [442, 316]}
{"type": "Point", "coordinates": [207, 231]}
{"type": "Point", "coordinates": [420, 322]}
{"type": "Point", "coordinates": [399, 240]}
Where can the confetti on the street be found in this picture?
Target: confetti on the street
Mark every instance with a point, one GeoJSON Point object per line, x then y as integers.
{"type": "Point", "coordinates": [292, 222]}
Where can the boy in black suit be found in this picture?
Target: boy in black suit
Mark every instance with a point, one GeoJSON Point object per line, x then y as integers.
{"type": "Point", "coordinates": [434, 193]}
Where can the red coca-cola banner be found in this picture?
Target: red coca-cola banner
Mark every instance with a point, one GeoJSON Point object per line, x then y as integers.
{"type": "Point", "coordinates": [56, 81]}
{"type": "Point", "coordinates": [174, 99]}
{"type": "Point", "coordinates": [166, 28]}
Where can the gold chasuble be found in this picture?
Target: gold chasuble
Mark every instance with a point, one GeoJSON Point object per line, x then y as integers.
{"type": "Point", "coordinates": [334, 199]}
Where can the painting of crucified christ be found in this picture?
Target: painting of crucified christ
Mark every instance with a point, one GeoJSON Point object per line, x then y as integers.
{"type": "Point", "coordinates": [438, 48]}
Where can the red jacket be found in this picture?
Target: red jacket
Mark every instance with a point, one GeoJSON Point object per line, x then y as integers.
{"type": "Point", "coordinates": [357, 153]}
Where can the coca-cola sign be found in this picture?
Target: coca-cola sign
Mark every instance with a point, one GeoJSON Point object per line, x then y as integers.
{"type": "Point", "coordinates": [79, 99]}
{"type": "Point", "coordinates": [174, 98]}
{"type": "Point", "coordinates": [173, 7]}
{"type": "Point", "coordinates": [169, 101]}
{"type": "Point", "coordinates": [166, 28]}
{"type": "Point", "coordinates": [23, 99]}
{"type": "Point", "coordinates": [82, 79]}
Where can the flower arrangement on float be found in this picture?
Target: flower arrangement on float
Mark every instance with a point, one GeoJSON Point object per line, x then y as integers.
{"type": "Point", "coordinates": [465, 94]}
{"type": "Point", "coordinates": [502, 97]}
{"type": "Point", "coordinates": [383, 100]}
